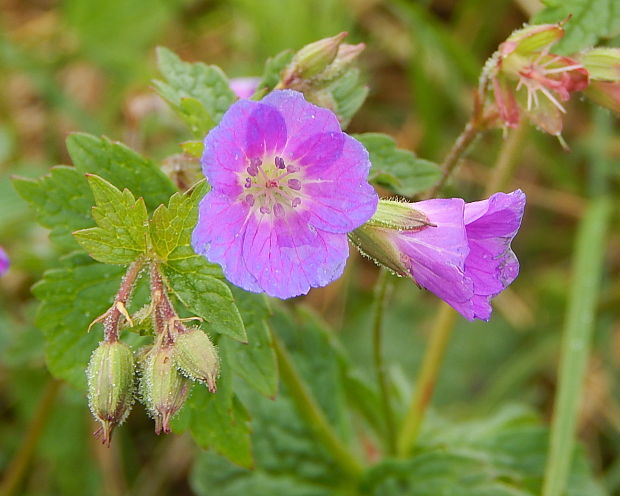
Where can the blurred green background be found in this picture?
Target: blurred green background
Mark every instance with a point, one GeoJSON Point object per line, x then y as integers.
{"type": "Point", "coordinates": [83, 65]}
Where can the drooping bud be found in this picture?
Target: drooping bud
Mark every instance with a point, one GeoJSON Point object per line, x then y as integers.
{"type": "Point", "coordinates": [375, 238]}
{"type": "Point", "coordinates": [313, 58]}
{"type": "Point", "coordinates": [164, 389]}
{"type": "Point", "coordinates": [196, 357]}
{"type": "Point", "coordinates": [110, 375]}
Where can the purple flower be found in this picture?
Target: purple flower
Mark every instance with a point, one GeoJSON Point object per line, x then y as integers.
{"type": "Point", "coordinates": [461, 252]}
{"type": "Point", "coordinates": [244, 87]}
{"type": "Point", "coordinates": [4, 261]}
{"type": "Point", "coordinates": [287, 186]}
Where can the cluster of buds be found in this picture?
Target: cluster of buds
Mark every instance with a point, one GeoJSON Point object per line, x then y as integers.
{"type": "Point", "coordinates": [166, 369]}
{"type": "Point", "coordinates": [527, 78]}
{"type": "Point", "coordinates": [315, 68]}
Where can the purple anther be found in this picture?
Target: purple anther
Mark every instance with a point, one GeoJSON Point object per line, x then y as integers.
{"type": "Point", "coordinates": [249, 200]}
{"type": "Point", "coordinates": [279, 161]}
{"type": "Point", "coordinates": [292, 168]}
{"type": "Point", "coordinates": [278, 210]}
{"type": "Point", "coordinates": [294, 184]}
{"type": "Point", "coordinates": [265, 210]}
{"type": "Point", "coordinates": [296, 202]}
{"type": "Point", "coordinates": [248, 182]}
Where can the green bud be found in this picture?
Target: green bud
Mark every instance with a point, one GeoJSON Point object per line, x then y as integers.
{"type": "Point", "coordinates": [377, 238]}
{"type": "Point", "coordinates": [314, 58]}
{"type": "Point", "coordinates": [602, 64]}
{"type": "Point", "coordinates": [164, 389]}
{"type": "Point", "coordinates": [110, 375]}
{"type": "Point", "coordinates": [196, 357]}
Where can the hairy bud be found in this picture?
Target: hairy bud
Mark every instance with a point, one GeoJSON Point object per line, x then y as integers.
{"type": "Point", "coordinates": [110, 375]}
{"type": "Point", "coordinates": [313, 58]}
{"type": "Point", "coordinates": [164, 390]}
{"type": "Point", "coordinates": [196, 357]}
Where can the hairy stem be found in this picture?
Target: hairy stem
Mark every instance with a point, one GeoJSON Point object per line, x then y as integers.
{"type": "Point", "coordinates": [312, 413]}
{"type": "Point", "coordinates": [433, 358]}
{"type": "Point", "coordinates": [112, 318]}
{"type": "Point", "coordinates": [19, 464]}
{"type": "Point", "coordinates": [381, 292]}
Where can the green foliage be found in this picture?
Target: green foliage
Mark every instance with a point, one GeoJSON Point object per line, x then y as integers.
{"type": "Point", "coordinates": [397, 169]}
{"type": "Point", "coordinates": [121, 166]}
{"type": "Point", "coordinates": [348, 93]}
{"type": "Point", "coordinates": [61, 200]}
{"type": "Point", "coordinates": [198, 92]}
{"type": "Point", "coordinates": [590, 20]}
{"type": "Point", "coordinates": [273, 67]}
{"type": "Point", "coordinates": [121, 234]}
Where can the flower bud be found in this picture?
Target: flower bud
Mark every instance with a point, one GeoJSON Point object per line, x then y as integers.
{"type": "Point", "coordinates": [164, 389]}
{"type": "Point", "coordinates": [603, 66]}
{"type": "Point", "coordinates": [375, 238]}
{"type": "Point", "coordinates": [314, 58]}
{"type": "Point", "coordinates": [110, 375]}
{"type": "Point", "coordinates": [196, 357]}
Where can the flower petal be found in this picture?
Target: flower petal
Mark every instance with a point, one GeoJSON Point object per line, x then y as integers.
{"type": "Point", "coordinates": [339, 196]}
{"type": "Point", "coordinates": [219, 235]}
{"type": "Point", "coordinates": [287, 256]}
{"type": "Point", "coordinates": [436, 254]}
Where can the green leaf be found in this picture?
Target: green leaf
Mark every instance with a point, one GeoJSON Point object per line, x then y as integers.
{"type": "Point", "coordinates": [591, 20]}
{"type": "Point", "coordinates": [198, 92]}
{"type": "Point", "coordinates": [218, 420]}
{"type": "Point", "coordinates": [498, 456]}
{"type": "Point", "coordinates": [255, 361]}
{"type": "Point", "coordinates": [397, 169]}
{"type": "Point", "coordinates": [121, 166]}
{"type": "Point", "coordinates": [171, 226]}
{"type": "Point", "coordinates": [273, 67]}
{"type": "Point", "coordinates": [61, 200]}
{"type": "Point", "coordinates": [71, 297]}
{"type": "Point", "coordinates": [121, 234]}
{"type": "Point", "coordinates": [193, 283]}
{"type": "Point", "coordinates": [348, 93]}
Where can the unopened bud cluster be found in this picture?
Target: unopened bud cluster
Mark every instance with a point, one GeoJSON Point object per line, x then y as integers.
{"type": "Point", "coordinates": [159, 375]}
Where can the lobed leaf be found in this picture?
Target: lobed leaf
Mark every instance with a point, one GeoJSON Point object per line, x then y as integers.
{"type": "Point", "coordinates": [121, 235]}
{"type": "Point", "coordinates": [397, 169]}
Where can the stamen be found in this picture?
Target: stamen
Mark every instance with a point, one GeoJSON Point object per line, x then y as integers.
{"type": "Point", "coordinates": [278, 210]}
{"type": "Point", "coordinates": [293, 168]}
{"type": "Point", "coordinates": [265, 209]}
{"type": "Point", "coordinates": [279, 161]}
{"type": "Point", "coordinates": [248, 182]}
{"type": "Point", "coordinates": [296, 202]}
{"type": "Point", "coordinates": [249, 200]}
{"type": "Point", "coordinates": [294, 184]}
{"type": "Point", "coordinates": [564, 69]}
{"type": "Point", "coordinates": [548, 94]}
{"type": "Point", "coordinates": [252, 171]}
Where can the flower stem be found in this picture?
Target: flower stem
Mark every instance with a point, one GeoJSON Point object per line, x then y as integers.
{"type": "Point", "coordinates": [381, 291]}
{"type": "Point", "coordinates": [112, 317]}
{"type": "Point", "coordinates": [433, 357]}
{"type": "Point", "coordinates": [19, 464]}
{"type": "Point", "coordinates": [507, 159]}
{"type": "Point", "coordinates": [312, 413]}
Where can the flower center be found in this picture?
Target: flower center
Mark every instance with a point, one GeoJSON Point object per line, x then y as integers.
{"type": "Point", "coordinates": [271, 186]}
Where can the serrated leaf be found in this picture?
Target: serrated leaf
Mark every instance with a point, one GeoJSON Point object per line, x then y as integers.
{"type": "Point", "coordinates": [397, 169]}
{"type": "Point", "coordinates": [255, 361]}
{"type": "Point", "coordinates": [121, 234]}
{"type": "Point", "coordinates": [198, 92]}
{"type": "Point", "coordinates": [61, 200]}
{"type": "Point", "coordinates": [171, 226]}
{"type": "Point", "coordinates": [218, 421]}
{"type": "Point", "coordinates": [590, 20]}
{"type": "Point", "coordinates": [121, 166]}
{"type": "Point", "coordinates": [273, 67]}
{"type": "Point", "coordinates": [205, 296]}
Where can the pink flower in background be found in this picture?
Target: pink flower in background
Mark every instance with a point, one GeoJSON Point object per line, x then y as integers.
{"type": "Point", "coordinates": [527, 78]}
{"type": "Point", "coordinates": [460, 251]}
{"type": "Point", "coordinates": [244, 87]}
{"type": "Point", "coordinates": [287, 186]}
{"type": "Point", "coordinates": [4, 261]}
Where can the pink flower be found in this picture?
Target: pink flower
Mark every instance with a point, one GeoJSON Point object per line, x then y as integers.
{"type": "Point", "coordinates": [244, 87]}
{"type": "Point", "coordinates": [459, 251]}
{"type": "Point", "coordinates": [4, 261]}
{"type": "Point", "coordinates": [287, 185]}
{"type": "Point", "coordinates": [527, 78]}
